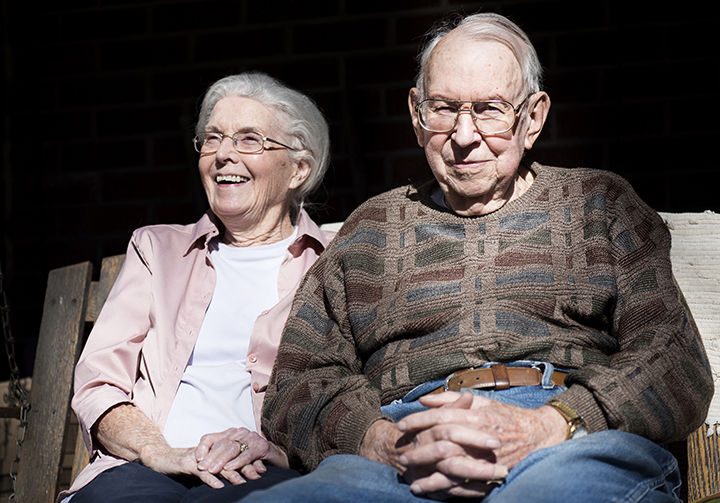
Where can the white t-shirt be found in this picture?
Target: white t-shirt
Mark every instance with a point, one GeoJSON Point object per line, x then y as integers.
{"type": "Point", "coordinates": [214, 391]}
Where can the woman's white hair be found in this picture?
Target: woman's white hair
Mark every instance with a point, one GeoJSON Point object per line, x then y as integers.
{"type": "Point", "coordinates": [486, 26]}
{"type": "Point", "coordinates": [302, 122]}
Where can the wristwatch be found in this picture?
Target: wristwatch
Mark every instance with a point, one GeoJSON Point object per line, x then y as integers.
{"type": "Point", "coordinates": [576, 424]}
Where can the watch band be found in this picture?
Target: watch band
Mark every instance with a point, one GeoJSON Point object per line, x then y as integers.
{"type": "Point", "coordinates": [576, 424]}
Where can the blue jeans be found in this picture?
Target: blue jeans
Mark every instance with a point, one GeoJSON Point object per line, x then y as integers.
{"type": "Point", "coordinates": [135, 483]}
{"type": "Point", "coordinates": [608, 466]}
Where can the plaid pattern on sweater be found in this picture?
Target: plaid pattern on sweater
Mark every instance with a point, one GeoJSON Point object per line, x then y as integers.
{"type": "Point", "coordinates": [575, 272]}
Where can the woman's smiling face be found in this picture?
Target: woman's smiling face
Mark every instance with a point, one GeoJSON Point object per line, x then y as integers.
{"type": "Point", "coordinates": [248, 191]}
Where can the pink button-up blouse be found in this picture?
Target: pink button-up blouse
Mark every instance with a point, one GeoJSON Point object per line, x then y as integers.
{"type": "Point", "coordinates": [145, 334]}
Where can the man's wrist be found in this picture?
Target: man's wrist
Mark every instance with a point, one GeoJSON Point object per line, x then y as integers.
{"type": "Point", "coordinates": [380, 444]}
{"type": "Point", "coordinates": [576, 426]}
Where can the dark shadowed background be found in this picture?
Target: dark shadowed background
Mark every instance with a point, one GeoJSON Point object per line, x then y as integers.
{"type": "Point", "coordinates": [100, 98]}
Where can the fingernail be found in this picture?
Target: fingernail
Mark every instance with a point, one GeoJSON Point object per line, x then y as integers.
{"type": "Point", "coordinates": [493, 443]}
{"type": "Point", "coordinates": [401, 426]}
{"type": "Point", "coordinates": [403, 460]}
{"type": "Point", "coordinates": [501, 472]}
{"type": "Point", "coordinates": [415, 489]}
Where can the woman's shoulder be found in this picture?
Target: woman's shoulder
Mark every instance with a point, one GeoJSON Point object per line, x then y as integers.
{"type": "Point", "coordinates": [174, 235]}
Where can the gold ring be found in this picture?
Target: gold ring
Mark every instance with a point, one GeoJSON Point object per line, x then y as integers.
{"type": "Point", "coordinates": [466, 481]}
{"type": "Point", "coordinates": [243, 446]}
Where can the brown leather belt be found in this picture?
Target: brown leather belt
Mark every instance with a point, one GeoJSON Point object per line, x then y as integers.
{"type": "Point", "coordinates": [497, 376]}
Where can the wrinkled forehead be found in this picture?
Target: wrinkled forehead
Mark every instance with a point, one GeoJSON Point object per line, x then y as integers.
{"type": "Point", "coordinates": [235, 113]}
{"type": "Point", "coordinates": [469, 67]}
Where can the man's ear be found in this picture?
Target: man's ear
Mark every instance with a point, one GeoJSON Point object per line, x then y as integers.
{"type": "Point", "coordinates": [302, 171]}
{"type": "Point", "coordinates": [538, 109]}
{"type": "Point", "coordinates": [413, 99]}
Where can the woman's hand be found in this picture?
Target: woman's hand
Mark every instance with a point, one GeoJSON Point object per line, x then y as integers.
{"type": "Point", "coordinates": [180, 461]}
{"type": "Point", "coordinates": [126, 432]}
{"type": "Point", "coordinates": [222, 453]}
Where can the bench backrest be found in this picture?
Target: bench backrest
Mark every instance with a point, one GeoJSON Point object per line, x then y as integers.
{"type": "Point", "coordinates": [72, 300]}
{"type": "Point", "coordinates": [695, 258]}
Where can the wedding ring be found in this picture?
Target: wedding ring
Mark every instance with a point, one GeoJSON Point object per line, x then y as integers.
{"type": "Point", "coordinates": [466, 481]}
{"type": "Point", "coordinates": [243, 446]}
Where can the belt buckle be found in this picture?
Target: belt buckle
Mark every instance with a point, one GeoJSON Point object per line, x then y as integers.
{"type": "Point", "coordinates": [542, 367]}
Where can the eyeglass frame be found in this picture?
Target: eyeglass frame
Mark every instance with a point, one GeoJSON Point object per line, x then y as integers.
{"type": "Point", "coordinates": [516, 111]}
{"type": "Point", "coordinates": [232, 137]}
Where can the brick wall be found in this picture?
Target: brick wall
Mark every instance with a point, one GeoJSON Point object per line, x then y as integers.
{"type": "Point", "coordinates": [100, 97]}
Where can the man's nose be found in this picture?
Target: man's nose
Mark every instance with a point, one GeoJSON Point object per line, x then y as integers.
{"type": "Point", "coordinates": [466, 132]}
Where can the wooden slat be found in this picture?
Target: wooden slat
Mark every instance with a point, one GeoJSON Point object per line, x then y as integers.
{"type": "Point", "coordinates": [10, 412]}
{"type": "Point", "coordinates": [704, 460]}
{"type": "Point", "coordinates": [100, 289]}
{"type": "Point", "coordinates": [97, 295]}
{"type": "Point", "coordinates": [59, 340]}
{"type": "Point", "coordinates": [81, 457]}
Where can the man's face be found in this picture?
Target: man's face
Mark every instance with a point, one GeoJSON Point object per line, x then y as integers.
{"type": "Point", "coordinates": [477, 173]}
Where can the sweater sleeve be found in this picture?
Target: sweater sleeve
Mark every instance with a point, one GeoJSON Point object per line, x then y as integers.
{"type": "Point", "coordinates": [319, 402]}
{"type": "Point", "coordinates": [658, 383]}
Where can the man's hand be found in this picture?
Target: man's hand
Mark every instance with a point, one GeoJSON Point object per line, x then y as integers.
{"type": "Point", "coordinates": [465, 441]}
{"type": "Point", "coordinates": [383, 442]}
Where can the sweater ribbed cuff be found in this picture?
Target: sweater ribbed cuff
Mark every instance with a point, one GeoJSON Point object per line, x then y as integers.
{"type": "Point", "coordinates": [353, 427]}
{"type": "Point", "coordinates": [582, 401]}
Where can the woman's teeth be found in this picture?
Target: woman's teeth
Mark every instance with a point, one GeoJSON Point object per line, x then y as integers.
{"type": "Point", "coordinates": [231, 179]}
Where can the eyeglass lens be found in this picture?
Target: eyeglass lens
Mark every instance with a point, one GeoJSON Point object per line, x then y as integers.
{"type": "Point", "coordinates": [248, 142]}
{"type": "Point", "coordinates": [490, 116]}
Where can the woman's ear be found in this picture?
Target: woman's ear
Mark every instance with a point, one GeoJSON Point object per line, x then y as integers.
{"type": "Point", "coordinates": [538, 109]}
{"type": "Point", "coordinates": [302, 171]}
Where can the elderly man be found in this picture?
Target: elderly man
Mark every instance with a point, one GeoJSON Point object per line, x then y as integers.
{"type": "Point", "coordinates": [508, 332]}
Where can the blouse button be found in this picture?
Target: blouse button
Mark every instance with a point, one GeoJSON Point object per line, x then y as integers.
{"type": "Point", "coordinates": [252, 358]}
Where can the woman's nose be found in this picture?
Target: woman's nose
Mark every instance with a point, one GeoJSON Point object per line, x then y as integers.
{"type": "Point", "coordinates": [226, 150]}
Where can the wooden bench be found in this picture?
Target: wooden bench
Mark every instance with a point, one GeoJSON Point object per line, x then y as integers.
{"type": "Point", "coordinates": [73, 301]}
{"type": "Point", "coordinates": [695, 257]}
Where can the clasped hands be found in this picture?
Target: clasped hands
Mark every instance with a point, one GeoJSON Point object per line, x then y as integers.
{"type": "Point", "coordinates": [219, 455]}
{"type": "Point", "coordinates": [463, 445]}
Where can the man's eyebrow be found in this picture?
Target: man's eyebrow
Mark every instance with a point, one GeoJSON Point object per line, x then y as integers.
{"type": "Point", "coordinates": [445, 98]}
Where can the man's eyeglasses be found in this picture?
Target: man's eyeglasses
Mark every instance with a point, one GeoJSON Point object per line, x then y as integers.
{"type": "Point", "coordinates": [490, 116]}
{"type": "Point", "coordinates": [245, 142]}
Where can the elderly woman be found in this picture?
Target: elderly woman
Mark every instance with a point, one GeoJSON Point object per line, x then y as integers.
{"type": "Point", "coordinates": [169, 388]}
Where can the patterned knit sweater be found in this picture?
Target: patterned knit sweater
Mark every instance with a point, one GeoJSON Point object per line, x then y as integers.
{"type": "Point", "coordinates": [575, 272]}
